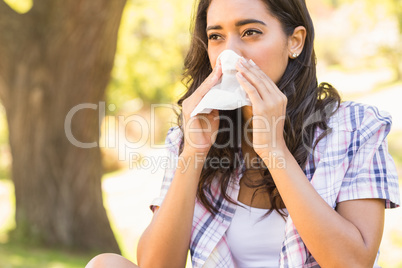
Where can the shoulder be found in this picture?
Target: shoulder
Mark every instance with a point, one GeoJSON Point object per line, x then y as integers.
{"type": "Point", "coordinates": [351, 127]}
{"type": "Point", "coordinates": [174, 133]}
{"type": "Point", "coordinates": [352, 116]}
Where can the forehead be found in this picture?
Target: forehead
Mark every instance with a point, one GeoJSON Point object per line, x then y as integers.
{"type": "Point", "coordinates": [225, 10]}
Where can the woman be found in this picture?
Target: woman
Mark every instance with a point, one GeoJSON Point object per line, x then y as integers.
{"type": "Point", "coordinates": [316, 196]}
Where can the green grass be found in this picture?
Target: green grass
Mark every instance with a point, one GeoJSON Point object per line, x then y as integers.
{"type": "Point", "coordinates": [18, 256]}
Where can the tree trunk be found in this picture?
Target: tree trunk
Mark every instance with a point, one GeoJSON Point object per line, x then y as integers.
{"type": "Point", "coordinates": [56, 56]}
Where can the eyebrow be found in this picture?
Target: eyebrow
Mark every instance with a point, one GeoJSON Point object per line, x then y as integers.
{"type": "Point", "coordinates": [238, 24]}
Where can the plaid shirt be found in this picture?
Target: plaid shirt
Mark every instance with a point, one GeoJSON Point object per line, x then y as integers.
{"type": "Point", "coordinates": [352, 162]}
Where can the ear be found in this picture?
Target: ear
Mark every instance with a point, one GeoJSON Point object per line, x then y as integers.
{"type": "Point", "coordinates": [296, 42]}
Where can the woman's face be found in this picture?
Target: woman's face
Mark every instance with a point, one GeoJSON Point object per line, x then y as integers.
{"type": "Point", "coordinates": [247, 27]}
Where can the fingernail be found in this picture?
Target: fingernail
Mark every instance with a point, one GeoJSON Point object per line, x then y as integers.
{"type": "Point", "coordinates": [240, 75]}
{"type": "Point", "coordinates": [252, 62]}
{"type": "Point", "coordinates": [242, 62]}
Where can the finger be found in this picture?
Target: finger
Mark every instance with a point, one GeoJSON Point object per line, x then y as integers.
{"type": "Point", "coordinates": [210, 81]}
{"type": "Point", "coordinates": [273, 93]}
{"type": "Point", "coordinates": [273, 87]}
{"type": "Point", "coordinates": [194, 99]}
{"type": "Point", "coordinates": [258, 80]}
{"type": "Point", "coordinates": [254, 68]}
{"type": "Point", "coordinates": [251, 91]}
{"type": "Point", "coordinates": [267, 89]}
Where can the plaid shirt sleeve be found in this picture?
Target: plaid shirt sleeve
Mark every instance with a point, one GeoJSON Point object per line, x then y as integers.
{"type": "Point", "coordinates": [172, 143]}
{"type": "Point", "coordinates": [371, 172]}
{"type": "Point", "coordinates": [352, 162]}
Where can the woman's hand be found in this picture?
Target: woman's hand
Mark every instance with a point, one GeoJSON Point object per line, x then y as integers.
{"type": "Point", "coordinates": [201, 130]}
{"type": "Point", "coordinates": [268, 107]}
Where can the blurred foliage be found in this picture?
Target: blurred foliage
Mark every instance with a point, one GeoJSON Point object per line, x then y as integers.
{"type": "Point", "coordinates": [7, 209]}
{"type": "Point", "coordinates": [395, 147]}
{"type": "Point", "coordinates": [152, 44]}
{"type": "Point", "coordinates": [20, 6]}
{"type": "Point", "coordinates": [397, 238]}
{"type": "Point", "coordinates": [3, 126]}
{"type": "Point", "coordinates": [393, 8]}
{"type": "Point", "coordinates": [5, 157]}
{"type": "Point", "coordinates": [391, 50]}
{"type": "Point", "coordinates": [154, 38]}
{"type": "Point", "coordinates": [359, 34]}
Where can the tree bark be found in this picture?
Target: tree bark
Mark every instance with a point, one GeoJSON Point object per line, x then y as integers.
{"type": "Point", "coordinates": [56, 56]}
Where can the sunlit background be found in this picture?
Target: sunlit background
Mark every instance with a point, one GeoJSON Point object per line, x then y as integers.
{"type": "Point", "coordinates": [359, 51]}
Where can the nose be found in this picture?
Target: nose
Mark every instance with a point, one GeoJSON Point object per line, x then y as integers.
{"type": "Point", "coordinates": [234, 43]}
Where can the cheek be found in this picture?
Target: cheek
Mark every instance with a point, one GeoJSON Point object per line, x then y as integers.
{"type": "Point", "coordinates": [273, 64]}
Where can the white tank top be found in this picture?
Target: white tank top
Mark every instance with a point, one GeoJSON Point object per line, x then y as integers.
{"type": "Point", "coordinates": [251, 243]}
{"type": "Point", "coordinates": [254, 242]}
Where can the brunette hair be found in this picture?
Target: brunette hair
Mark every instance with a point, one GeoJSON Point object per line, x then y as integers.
{"type": "Point", "coordinates": [299, 84]}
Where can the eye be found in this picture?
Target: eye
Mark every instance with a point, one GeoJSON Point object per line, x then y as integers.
{"type": "Point", "coordinates": [251, 32]}
{"type": "Point", "coordinates": [214, 37]}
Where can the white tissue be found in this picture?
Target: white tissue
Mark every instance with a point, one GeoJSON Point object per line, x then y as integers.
{"type": "Point", "coordinates": [228, 94]}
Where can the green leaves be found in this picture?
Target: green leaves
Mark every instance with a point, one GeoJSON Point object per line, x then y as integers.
{"type": "Point", "coordinates": [152, 42]}
{"type": "Point", "coordinates": [20, 6]}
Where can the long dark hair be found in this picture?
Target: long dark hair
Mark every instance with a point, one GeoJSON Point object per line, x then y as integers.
{"type": "Point", "coordinates": [299, 84]}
